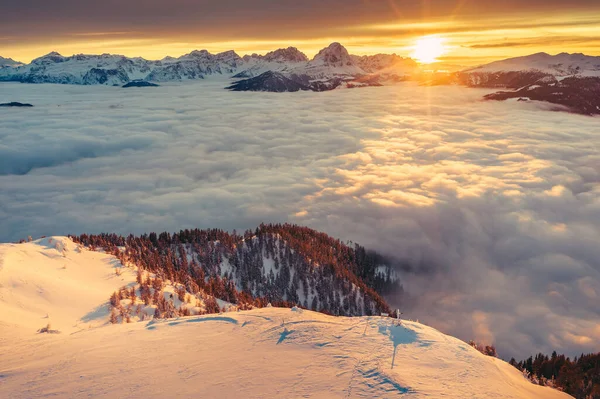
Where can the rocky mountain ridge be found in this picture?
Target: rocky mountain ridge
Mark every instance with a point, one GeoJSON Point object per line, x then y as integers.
{"type": "Point", "coordinates": [289, 70]}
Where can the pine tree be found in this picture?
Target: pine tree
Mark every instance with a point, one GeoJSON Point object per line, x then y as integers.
{"type": "Point", "coordinates": [114, 300]}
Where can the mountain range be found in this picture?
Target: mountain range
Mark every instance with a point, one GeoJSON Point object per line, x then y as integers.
{"type": "Point", "coordinates": [107, 69]}
{"type": "Point", "coordinates": [543, 77]}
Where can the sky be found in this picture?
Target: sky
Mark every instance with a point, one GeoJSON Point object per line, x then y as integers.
{"type": "Point", "coordinates": [492, 208]}
{"type": "Point", "coordinates": [473, 31]}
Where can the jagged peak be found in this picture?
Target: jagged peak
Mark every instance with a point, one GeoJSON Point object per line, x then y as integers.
{"type": "Point", "coordinates": [335, 54]}
{"type": "Point", "coordinates": [335, 46]}
{"type": "Point", "coordinates": [9, 62]}
{"type": "Point", "coordinates": [291, 54]}
{"type": "Point", "coordinates": [192, 54]}
{"type": "Point", "coordinates": [53, 56]}
{"type": "Point", "coordinates": [198, 53]}
{"type": "Point", "coordinates": [229, 54]}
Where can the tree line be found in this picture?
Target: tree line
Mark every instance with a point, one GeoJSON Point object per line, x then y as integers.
{"type": "Point", "coordinates": [579, 377]}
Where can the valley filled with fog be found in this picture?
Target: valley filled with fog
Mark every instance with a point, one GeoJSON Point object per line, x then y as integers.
{"type": "Point", "coordinates": [492, 208]}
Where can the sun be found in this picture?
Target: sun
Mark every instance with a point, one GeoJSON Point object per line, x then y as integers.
{"type": "Point", "coordinates": [427, 49]}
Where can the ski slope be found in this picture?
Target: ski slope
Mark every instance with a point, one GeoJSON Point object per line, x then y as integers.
{"type": "Point", "coordinates": [263, 353]}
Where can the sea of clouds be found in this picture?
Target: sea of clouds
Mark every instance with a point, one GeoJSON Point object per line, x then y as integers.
{"type": "Point", "coordinates": [492, 208]}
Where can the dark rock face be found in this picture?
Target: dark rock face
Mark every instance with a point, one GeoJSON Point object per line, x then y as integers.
{"type": "Point", "coordinates": [580, 94]}
{"type": "Point", "coordinates": [15, 104]}
{"type": "Point", "coordinates": [140, 83]}
{"type": "Point", "coordinates": [269, 81]}
{"type": "Point", "coordinates": [279, 83]}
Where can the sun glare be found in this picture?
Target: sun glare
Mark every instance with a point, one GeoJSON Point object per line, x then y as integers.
{"type": "Point", "coordinates": [427, 49]}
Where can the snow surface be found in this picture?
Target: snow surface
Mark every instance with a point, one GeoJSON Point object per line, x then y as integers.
{"type": "Point", "coordinates": [265, 353]}
{"type": "Point", "coordinates": [53, 280]}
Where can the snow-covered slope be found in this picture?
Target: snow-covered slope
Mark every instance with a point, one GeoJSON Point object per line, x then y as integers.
{"type": "Point", "coordinates": [266, 353]}
{"type": "Point", "coordinates": [57, 278]}
{"type": "Point", "coordinates": [8, 62]}
{"type": "Point", "coordinates": [58, 282]}
{"type": "Point", "coordinates": [560, 65]}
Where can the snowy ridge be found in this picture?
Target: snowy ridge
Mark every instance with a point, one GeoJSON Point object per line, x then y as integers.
{"type": "Point", "coordinates": [9, 62]}
{"type": "Point", "coordinates": [560, 65]}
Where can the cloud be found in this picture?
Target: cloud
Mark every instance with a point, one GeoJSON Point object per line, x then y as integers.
{"type": "Point", "coordinates": [503, 44]}
{"type": "Point", "coordinates": [556, 40]}
{"type": "Point", "coordinates": [492, 209]}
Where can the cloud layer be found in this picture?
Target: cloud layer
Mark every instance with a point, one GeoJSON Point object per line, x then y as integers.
{"type": "Point", "coordinates": [493, 208]}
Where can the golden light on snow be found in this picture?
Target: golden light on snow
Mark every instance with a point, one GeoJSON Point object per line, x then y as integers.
{"type": "Point", "coordinates": [428, 49]}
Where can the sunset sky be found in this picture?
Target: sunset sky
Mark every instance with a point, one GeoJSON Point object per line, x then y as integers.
{"type": "Point", "coordinates": [473, 31]}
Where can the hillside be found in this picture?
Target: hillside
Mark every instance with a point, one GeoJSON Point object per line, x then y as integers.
{"type": "Point", "coordinates": [269, 352]}
{"type": "Point", "coordinates": [282, 264]}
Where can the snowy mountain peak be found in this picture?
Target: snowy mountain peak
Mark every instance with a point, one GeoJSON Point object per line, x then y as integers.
{"type": "Point", "coordinates": [52, 57]}
{"type": "Point", "coordinates": [197, 54]}
{"type": "Point", "coordinates": [9, 62]}
{"type": "Point", "coordinates": [229, 56]}
{"type": "Point", "coordinates": [290, 54]}
{"type": "Point", "coordinates": [334, 55]}
{"type": "Point", "coordinates": [332, 61]}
